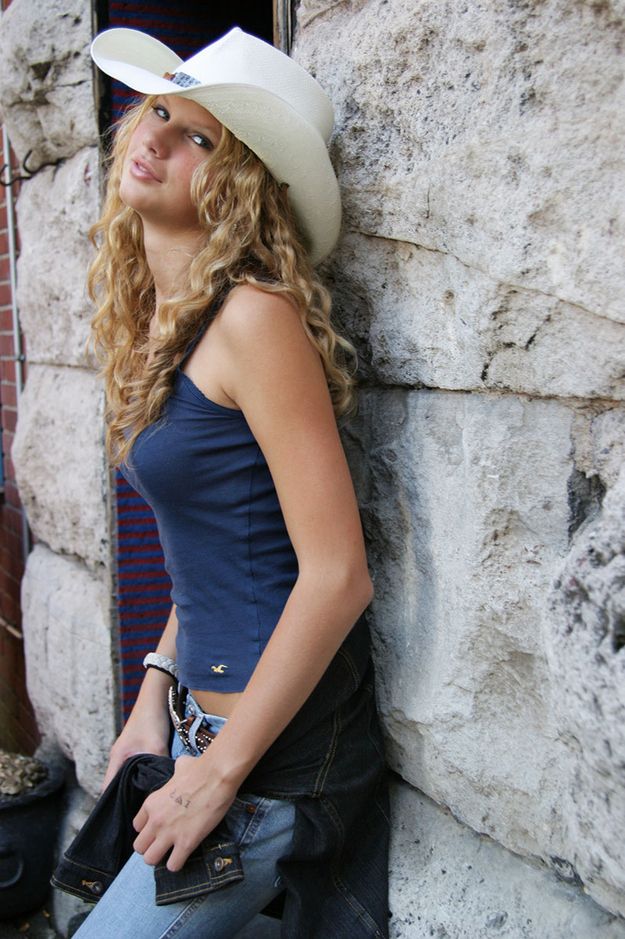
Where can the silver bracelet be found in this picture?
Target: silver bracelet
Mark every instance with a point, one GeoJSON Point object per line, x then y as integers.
{"type": "Point", "coordinates": [161, 662]}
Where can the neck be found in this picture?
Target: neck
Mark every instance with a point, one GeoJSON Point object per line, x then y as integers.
{"type": "Point", "coordinates": [169, 256]}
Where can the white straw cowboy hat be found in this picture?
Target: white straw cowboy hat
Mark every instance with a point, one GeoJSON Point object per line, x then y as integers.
{"type": "Point", "coordinates": [262, 96]}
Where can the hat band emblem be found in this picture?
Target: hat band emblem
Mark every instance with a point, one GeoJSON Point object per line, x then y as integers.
{"type": "Point", "coordinates": [182, 79]}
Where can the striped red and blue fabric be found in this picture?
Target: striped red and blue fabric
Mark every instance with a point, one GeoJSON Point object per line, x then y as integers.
{"type": "Point", "coordinates": [143, 588]}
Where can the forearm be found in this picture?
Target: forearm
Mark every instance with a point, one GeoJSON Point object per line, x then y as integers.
{"type": "Point", "coordinates": [317, 617]}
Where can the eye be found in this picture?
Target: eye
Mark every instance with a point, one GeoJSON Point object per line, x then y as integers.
{"type": "Point", "coordinates": [202, 141]}
{"type": "Point", "coordinates": [162, 112]}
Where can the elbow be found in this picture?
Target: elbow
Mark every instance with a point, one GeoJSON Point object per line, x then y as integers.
{"type": "Point", "coordinates": [358, 592]}
{"type": "Point", "coordinates": [350, 586]}
{"type": "Point", "coordinates": [368, 591]}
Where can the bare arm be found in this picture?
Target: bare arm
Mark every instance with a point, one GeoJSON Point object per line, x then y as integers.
{"type": "Point", "coordinates": [275, 375]}
{"type": "Point", "coordinates": [147, 728]}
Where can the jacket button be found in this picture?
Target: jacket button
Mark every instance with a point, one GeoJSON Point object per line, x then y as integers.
{"type": "Point", "coordinates": [219, 864]}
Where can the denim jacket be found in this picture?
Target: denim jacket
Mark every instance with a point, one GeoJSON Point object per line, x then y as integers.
{"type": "Point", "coordinates": [329, 761]}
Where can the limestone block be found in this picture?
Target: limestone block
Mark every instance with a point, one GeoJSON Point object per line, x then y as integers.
{"type": "Point", "coordinates": [484, 131]}
{"type": "Point", "coordinates": [599, 440]}
{"type": "Point", "coordinates": [69, 662]}
{"type": "Point", "coordinates": [449, 882]}
{"type": "Point", "coordinates": [55, 211]}
{"type": "Point", "coordinates": [465, 507]}
{"type": "Point", "coordinates": [469, 502]}
{"type": "Point", "coordinates": [422, 317]}
{"type": "Point", "coordinates": [586, 651]}
{"type": "Point", "coordinates": [46, 79]}
{"type": "Point", "coordinates": [59, 461]}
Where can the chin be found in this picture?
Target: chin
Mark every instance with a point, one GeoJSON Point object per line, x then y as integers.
{"type": "Point", "coordinates": [129, 195]}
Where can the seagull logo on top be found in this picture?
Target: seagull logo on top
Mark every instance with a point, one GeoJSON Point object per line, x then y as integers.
{"type": "Point", "coordinates": [218, 669]}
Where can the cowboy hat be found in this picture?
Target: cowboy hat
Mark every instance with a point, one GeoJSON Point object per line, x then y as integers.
{"type": "Point", "coordinates": [262, 96]}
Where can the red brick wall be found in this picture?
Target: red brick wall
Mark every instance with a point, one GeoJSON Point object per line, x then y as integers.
{"type": "Point", "coordinates": [18, 729]}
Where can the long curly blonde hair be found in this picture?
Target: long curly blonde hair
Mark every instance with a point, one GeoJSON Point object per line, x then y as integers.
{"type": "Point", "coordinates": [251, 237]}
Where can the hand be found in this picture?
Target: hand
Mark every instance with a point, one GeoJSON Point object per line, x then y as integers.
{"type": "Point", "coordinates": [142, 734]}
{"type": "Point", "coordinates": [182, 812]}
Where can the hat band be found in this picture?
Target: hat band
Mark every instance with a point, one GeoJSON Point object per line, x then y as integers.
{"type": "Point", "coordinates": [182, 79]}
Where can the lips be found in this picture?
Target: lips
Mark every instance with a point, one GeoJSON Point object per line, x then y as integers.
{"type": "Point", "coordinates": [142, 170]}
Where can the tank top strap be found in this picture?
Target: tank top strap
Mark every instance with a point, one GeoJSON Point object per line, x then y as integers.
{"type": "Point", "coordinates": [191, 346]}
{"type": "Point", "coordinates": [208, 319]}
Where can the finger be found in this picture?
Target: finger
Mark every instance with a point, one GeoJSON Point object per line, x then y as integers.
{"type": "Point", "coordinates": [115, 764]}
{"type": "Point", "coordinates": [156, 851]}
{"type": "Point", "coordinates": [177, 858]}
{"type": "Point", "coordinates": [140, 820]}
{"type": "Point", "coordinates": [143, 840]}
{"type": "Point", "coordinates": [111, 772]}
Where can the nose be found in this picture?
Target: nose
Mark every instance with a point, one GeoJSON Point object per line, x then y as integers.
{"type": "Point", "coordinates": [155, 140]}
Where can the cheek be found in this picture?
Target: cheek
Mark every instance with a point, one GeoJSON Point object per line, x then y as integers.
{"type": "Point", "coordinates": [135, 139]}
{"type": "Point", "coordinates": [125, 181]}
{"type": "Point", "coordinates": [186, 174]}
{"type": "Point", "coordinates": [131, 148]}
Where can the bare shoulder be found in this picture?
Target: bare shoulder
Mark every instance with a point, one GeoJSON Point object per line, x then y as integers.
{"type": "Point", "coordinates": [265, 346]}
{"type": "Point", "coordinates": [247, 299]}
{"type": "Point", "coordinates": [251, 316]}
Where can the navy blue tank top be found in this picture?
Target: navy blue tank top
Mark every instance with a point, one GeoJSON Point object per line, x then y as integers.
{"type": "Point", "coordinates": [226, 547]}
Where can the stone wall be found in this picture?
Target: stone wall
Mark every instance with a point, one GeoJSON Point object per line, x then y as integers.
{"type": "Point", "coordinates": [479, 147]}
{"type": "Point", "coordinates": [48, 104]}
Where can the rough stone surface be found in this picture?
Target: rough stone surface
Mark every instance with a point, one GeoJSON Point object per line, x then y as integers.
{"type": "Point", "coordinates": [587, 660]}
{"type": "Point", "coordinates": [60, 464]}
{"type": "Point", "coordinates": [69, 660]}
{"type": "Point", "coordinates": [469, 504]}
{"type": "Point", "coordinates": [422, 317]}
{"type": "Point", "coordinates": [477, 149]}
{"type": "Point", "coordinates": [46, 79]}
{"type": "Point", "coordinates": [48, 105]}
{"type": "Point", "coordinates": [449, 882]}
{"type": "Point", "coordinates": [61, 204]}
{"type": "Point", "coordinates": [466, 508]}
{"type": "Point", "coordinates": [490, 132]}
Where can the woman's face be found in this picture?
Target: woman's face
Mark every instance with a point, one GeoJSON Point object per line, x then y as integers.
{"type": "Point", "coordinates": [172, 138]}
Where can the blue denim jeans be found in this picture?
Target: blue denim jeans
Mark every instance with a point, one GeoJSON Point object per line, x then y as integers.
{"type": "Point", "coordinates": [263, 830]}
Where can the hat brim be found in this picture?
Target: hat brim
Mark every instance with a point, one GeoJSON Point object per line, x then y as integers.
{"type": "Point", "coordinates": [292, 150]}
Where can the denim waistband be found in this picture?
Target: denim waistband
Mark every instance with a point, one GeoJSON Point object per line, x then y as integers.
{"type": "Point", "coordinates": [214, 721]}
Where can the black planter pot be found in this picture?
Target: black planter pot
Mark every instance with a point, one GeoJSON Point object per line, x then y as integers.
{"type": "Point", "coordinates": [29, 825]}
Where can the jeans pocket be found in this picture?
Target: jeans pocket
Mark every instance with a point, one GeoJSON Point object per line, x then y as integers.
{"type": "Point", "coordinates": [245, 816]}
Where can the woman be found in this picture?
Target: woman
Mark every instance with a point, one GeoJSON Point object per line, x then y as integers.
{"type": "Point", "coordinates": [224, 378]}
